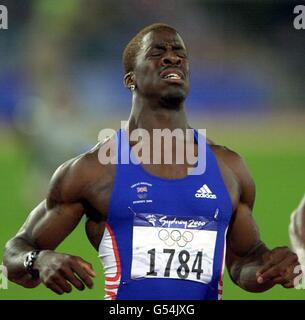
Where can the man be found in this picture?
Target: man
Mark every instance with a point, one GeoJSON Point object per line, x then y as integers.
{"type": "Point", "coordinates": [171, 243]}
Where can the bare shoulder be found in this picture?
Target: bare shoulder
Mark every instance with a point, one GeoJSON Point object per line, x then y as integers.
{"type": "Point", "coordinates": [74, 177]}
{"type": "Point", "coordinates": [237, 165]}
{"type": "Point", "coordinates": [231, 158]}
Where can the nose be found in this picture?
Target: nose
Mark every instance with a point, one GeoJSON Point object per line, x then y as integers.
{"type": "Point", "coordinates": [170, 58]}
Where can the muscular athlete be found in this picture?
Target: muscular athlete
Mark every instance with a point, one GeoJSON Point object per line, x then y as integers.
{"type": "Point", "coordinates": [157, 73]}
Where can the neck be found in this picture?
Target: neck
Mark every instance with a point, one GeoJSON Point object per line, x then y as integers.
{"type": "Point", "coordinates": [150, 114]}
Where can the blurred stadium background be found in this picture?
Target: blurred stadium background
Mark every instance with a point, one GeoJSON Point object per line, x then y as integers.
{"type": "Point", "coordinates": [61, 82]}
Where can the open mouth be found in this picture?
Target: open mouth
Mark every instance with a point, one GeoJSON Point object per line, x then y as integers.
{"type": "Point", "coordinates": [172, 75]}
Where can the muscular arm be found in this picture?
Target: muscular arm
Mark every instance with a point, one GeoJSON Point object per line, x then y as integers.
{"type": "Point", "coordinates": [251, 264]}
{"type": "Point", "coordinates": [47, 226]}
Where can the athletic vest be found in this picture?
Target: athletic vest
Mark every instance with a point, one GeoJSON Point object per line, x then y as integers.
{"type": "Point", "coordinates": [165, 238]}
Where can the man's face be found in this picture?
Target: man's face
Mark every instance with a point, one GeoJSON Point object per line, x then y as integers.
{"type": "Point", "coordinates": [161, 68]}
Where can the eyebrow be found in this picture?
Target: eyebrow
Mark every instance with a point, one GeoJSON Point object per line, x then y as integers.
{"type": "Point", "coordinates": [162, 46]}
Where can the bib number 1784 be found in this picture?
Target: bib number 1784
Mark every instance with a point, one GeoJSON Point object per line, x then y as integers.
{"type": "Point", "coordinates": [182, 265]}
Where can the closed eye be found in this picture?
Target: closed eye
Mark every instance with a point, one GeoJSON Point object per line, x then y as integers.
{"type": "Point", "coordinates": [159, 50]}
{"type": "Point", "coordinates": [181, 54]}
{"type": "Point", "coordinates": [156, 53]}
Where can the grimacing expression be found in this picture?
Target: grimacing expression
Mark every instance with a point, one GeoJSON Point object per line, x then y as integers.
{"type": "Point", "coordinates": [161, 66]}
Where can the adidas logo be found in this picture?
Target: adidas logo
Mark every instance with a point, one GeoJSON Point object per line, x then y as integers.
{"type": "Point", "coordinates": [205, 192]}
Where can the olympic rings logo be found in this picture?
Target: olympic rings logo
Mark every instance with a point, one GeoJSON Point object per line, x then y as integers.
{"type": "Point", "coordinates": [173, 237]}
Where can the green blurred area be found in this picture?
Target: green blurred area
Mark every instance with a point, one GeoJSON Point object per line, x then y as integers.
{"type": "Point", "coordinates": [14, 163]}
{"type": "Point", "coordinates": [276, 163]}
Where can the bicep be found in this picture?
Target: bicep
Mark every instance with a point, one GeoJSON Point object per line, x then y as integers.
{"type": "Point", "coordinates": [243, 232]}
{"type": "Point", "coordinates": [243, 242]}
{"type": "Point", "coordinates": [56, 217]}
{"type": "Point", "coordinates": [46, 227]}
{"type": "Point", "coordinates": [243, 237]}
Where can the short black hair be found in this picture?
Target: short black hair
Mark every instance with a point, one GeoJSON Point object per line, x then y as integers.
{"type": "Point", "coordinates": [133, 46]}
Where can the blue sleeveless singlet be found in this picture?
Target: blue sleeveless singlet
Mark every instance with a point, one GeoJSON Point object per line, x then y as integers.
{"type": "Point", "coordinates": [165, 238]}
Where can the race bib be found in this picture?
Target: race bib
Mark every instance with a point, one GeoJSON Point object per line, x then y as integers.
{"type": "Point", "coordinates": [173, 247]}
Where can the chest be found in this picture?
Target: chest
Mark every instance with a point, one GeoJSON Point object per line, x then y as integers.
{"type": "Point", "coordinates": [191, 196]}
{"type": "Point", "coordinates": [132, 194]}
{"type": "Point", "coordinates": [158, 188]}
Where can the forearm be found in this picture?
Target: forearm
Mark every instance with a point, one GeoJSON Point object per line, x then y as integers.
{"type": "Point", "coordinates": [14, 255]}
{"type": "Point", "coordinates": [243, 270]}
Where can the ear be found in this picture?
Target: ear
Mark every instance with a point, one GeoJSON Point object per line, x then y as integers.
{"type": "Point", "coordinates": [129, 79]}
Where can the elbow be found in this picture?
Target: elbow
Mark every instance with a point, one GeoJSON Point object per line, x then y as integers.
{"type": "Point", "coordinates": [7, 256]}
{"type": "Point", "coordinates": [9, 262]}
